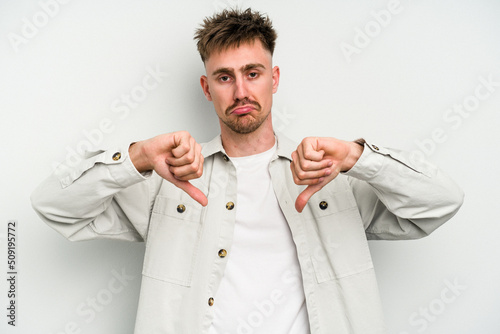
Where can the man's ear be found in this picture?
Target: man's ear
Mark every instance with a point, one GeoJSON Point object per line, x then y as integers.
{"type": "Point", "coordinates": [204, 86]}
{"type": "Point", "coordinates": [276, 78]}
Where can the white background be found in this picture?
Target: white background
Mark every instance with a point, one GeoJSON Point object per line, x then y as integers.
{"type": "Point", "coordinates": [64, 78]}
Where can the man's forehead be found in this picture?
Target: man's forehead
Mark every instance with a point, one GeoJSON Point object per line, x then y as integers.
{"type": "Point", "coordinates": [239, 56]}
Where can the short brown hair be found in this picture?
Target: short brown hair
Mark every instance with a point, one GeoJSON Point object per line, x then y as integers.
{"type": "Point", "coordinates": [232, 27]}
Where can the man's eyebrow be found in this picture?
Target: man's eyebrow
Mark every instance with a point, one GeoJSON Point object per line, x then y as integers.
{"type": "Point", "coordinates": [223, 70]}
{"type": "Point", "coordinates": [245, 68]}
{"type": "Point", "coordinates": [252, 66]}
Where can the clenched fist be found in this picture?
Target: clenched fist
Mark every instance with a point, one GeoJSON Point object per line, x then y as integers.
{"type": "Point", "coordinates": [317, 161]}
{"type": "Point", "coordinates": [176, 157]}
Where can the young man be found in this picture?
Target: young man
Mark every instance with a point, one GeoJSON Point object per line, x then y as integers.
{"type": "Point", "coordinates": [249, 233]}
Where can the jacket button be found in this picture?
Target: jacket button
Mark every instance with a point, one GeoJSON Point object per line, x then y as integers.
{"type": "Point", "coordinates": [222, 253]}
{"type": "Point", "coordinates": [323, 205]}
{"type": "Point", "coordinates": [117, 156]}
{"type": "Point", "coordinates": [225, 157]}
{"type": "Point", "coordinates": [181, 208]}
{"type": "Point", "coordinates": [210, 301]}
{"type": "Point", "coordinates": [230, 205]}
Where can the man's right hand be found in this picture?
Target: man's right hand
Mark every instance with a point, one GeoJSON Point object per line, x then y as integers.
{"type": "Point", "coordinates": [176, 157]}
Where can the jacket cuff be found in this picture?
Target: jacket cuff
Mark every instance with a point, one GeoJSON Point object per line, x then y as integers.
{"type": "Point", "coordinates": [127, 175]}
{"type": "Point", "coordinates": [369, 163]}
{"type": "Point", "coordinates": [374, 159]}
{"type": "Point", "coordinates": [117, 162]}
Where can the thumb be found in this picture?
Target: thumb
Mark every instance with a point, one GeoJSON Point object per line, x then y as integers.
{"type": "Point", "coordinates": [195, 193]}
{"type": "Point", "coordinates": [305, 195]}
{"type": "Point", "coordinates": [192, 191]}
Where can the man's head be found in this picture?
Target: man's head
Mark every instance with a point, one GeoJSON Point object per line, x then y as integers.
{"type": "Point", "coordinates": [236, 48]}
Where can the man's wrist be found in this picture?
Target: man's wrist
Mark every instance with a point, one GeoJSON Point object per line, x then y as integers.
{"type": "Point", "coordinates": [355, 151]}
{"type": "Point", "coordinates": [137, 156]}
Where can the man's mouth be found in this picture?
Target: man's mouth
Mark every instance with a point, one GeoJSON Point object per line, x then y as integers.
{"type": "Point", "coordinates": [243, 107]}
{"type": "Point", "coordinates": [243, 110]}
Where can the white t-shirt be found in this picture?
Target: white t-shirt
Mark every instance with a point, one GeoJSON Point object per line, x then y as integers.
{"type": "Point", "coordinates": [261, 291]}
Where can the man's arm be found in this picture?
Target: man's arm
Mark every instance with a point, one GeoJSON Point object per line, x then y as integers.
{"type": "Point", "coordinates": [398, 198]}
{"type": "Point", "coordinates": [110, 193]}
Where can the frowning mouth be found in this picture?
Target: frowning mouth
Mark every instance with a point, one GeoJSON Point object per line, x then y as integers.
{"type": "Point", "coordinates": [243, 107]}
{"type": "Point", "coordinates": [243, 110]}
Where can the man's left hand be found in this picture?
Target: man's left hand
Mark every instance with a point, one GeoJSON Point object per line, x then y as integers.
{"type": "Point", "coordinates": [317, 161]}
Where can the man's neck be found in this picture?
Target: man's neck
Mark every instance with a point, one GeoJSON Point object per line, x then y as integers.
{"type": "Point", "coordinates": [242, 145]}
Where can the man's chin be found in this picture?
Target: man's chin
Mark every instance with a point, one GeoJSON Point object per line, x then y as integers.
{"type": "Point", "coordinates": [243, 128]}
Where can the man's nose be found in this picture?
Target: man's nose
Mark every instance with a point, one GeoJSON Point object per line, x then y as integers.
{"type": "Point", "coordinates": [241, 89]}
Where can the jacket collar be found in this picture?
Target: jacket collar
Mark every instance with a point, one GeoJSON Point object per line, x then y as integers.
{"type": "Point", "coordinates": [285, 146]}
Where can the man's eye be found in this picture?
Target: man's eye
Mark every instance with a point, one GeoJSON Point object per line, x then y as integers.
{"type": "Point", "coordinates": [224, 78]}
{"type": "Point", "coordinates": [253, 75]}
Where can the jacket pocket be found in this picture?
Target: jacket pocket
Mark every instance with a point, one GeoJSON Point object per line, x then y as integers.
{"type": "Point", "coordinates": [173, 241]}
{"type": "Point", "coordinates": [338, 244]}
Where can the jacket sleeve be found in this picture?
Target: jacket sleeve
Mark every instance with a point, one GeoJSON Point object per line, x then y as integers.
{"type": "Point", "coordinates": [101, 196]}
{"type": "Point", "coordinates": [399, 197]}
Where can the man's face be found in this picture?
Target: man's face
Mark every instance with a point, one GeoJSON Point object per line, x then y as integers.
{"type": "Point", "coordinates": [241, 82]}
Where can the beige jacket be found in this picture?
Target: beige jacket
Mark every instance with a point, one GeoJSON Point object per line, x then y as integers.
{"type": "Point", "coordinates": [384, 196]}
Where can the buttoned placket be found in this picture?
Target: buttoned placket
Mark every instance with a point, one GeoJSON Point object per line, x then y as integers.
{"type": "Point", "coordinates": [228, 194]}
